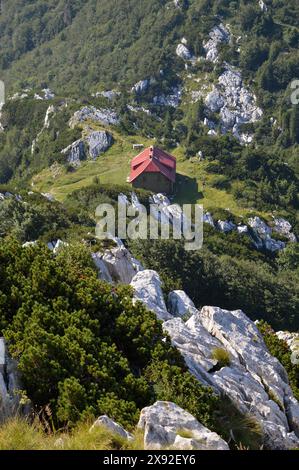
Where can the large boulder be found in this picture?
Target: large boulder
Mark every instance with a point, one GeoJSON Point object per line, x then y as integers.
{"type": "Point", "coordinates": [226, 226]}
{"type": "Point", "coordinates": [172, 99]}
{"type": "Point", "coordinates": [262, 235]}
{"type": "Point", "coordinates": [283, 227]}
{"type": "Point", "coordinates": [292, 339]}
{"type": "Point", "coordinates": [75, 153]}
{"type": "Point", "coordinates": [9, 384]}
{"type": "Point", "coordinates": [183, 52]}
{"type": "Point", "coordinates": [255, 381]}
{"type": "Point", "coordinates": [90, 113]}
{"type": "Point", "coordinates": [103, 271]}
{"type": "Point", "coordinates": [214, 101]}
{"type": "Point", "coordinates": [166, 425]}
{"type": "Point", "coordinates": [98, 142]}
{"type": "Point", "coordinates": [120, 264]}
{"type": "Point", "coordinates": [148, 290]}
{"type": "Point", "coordinates": [112, 426]}
{"type": "Point", "coordinates": [141, 87]}
{"type": "Point", "coordinates": [179, 304]}
{"type": "Point", "coordinates": [218, 35]}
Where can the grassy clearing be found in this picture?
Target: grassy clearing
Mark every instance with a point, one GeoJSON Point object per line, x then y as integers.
{"type": "Point", "coordinates": [194, 185]}
{"type": "Point", "coordinates": [18, 434]}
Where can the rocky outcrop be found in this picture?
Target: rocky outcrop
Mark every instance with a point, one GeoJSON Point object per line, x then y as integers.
{"type": "Point", "coordinates": [90, 113]}
{"type": "Point", "coordinates": [183, 52]}
{"type": "Point", "coordinates": [218, 35]}
{"type": "Point", "coordinates": [234, 102]}
{"type": "Point", "coordinates": [108, 94]}
{"type": "Point", "coordinates": [255, 381]}
{"type": "Point", "coordinates": [9, 384]}
{"type": "Point", "coordinates": [263, 6]}
{"type": "Point", "coordinates": [166, 425]}
{"type": "Point", "coordinates": [98, 142]}
{"type": "Point", "coordinates": [283, 227]}
{"type": "Point", "coordinates": [262, 235]}
{"type": "Point", "coordinates": [148, 290]}
{"type": "Point", "coordinates": [75, 153]}
{"type": "Point", "coordinates": [141, 87]}
{"type": "Point", "coordinates": [179, 304]}
{"type": "Point", "coordinates": [49, 114]}
{"type": "Point", "coordinates": [121, 266]}
{"type": "Point", "coordinates": [112, 426]}
{"type": "Point", "coordinates": [208, 219]}
{"type": "Point", "coordinates": [225, 226]}
{"type": "Point", "coordinates": [173, 99]}
{"type": "Point", "coordinates": [292, 339]}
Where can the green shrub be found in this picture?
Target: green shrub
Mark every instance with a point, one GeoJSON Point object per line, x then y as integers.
{"type": "Point", "coordinates": [221, 356]}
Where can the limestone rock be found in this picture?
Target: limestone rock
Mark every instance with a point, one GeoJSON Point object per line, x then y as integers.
{"type": "Point", "coordinates": [254, 380]}
{"type": "Point", "coordinates": [163, 422]}
{"type": "Point", "coordinates": [75, 153]}
{"type": "Point", "coordinates": [208, 219]}
{"type": "Point", "coordinates": [226, 226]}
{"type": "Point", "coordinates": [183, 52]}
{"type": "Point", "coordinates": [103, 116]}
{"type": "Point", "coordinates": [173, 99]}
{"type": "Point", "coordinates": [283, 227]}
{"type": "Point", "coordinates": [148, 290]}
{"type": "Point", "coordinates": [262, 235]}
{"type": "Point", "coordinates": [179, 304]}
{"type": "Point", "coordinates": [292, 339]}
{"type": "Point", "coordinates": [112, 426]}
{"type": "Point", "coordinates": [9, 384]}
{"type": "Point", "coordinates": [218, 35]}
{"type": "Point", "coordinates": [214, 101]}
{"type": "Point", "coordinates": [108, 94]}
{"type": "Point", "coordinates": [98, 142]}
{"type": "Point", "coordinates": [141, 87]}
{"type": "Point", "coordinates": [120, 264]}
{"type": "Point", "coordinates": [241, 229]}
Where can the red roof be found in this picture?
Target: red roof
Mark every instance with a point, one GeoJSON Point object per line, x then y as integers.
{"type": "Point", "coordinates": [153, 160]}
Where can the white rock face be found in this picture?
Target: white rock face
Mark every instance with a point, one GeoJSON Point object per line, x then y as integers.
{"type": "Point", "coordinates": [226, 226]}
{"type": "Point", "coordinates": [162, 423]}
{"type": "Point", "coordinates": [208, 219]}
{"type": "Point", "coordinates": [103, 116]}
{"type": "Point", "coordinates": [262, 238]}
{"type": "Point", "coordinates": [173, 99]}
{"type": "Point", "coordinates": [235, 103]}
{"type": "Point", "coordinates": [109, 94]}
{"type": "Point", "coordinates": [255, 381]}
{"type": "Point", "coordinates": [179, 304]}
{"type": "Point", "coordinates": [148, 290]}
{"type": "Point", "coordinates": [218, 35]}
{"type": "Point", "coordinates": [141, 87]}
{"type": "Point", "coordinates": [75, 153]}
{"type": "Point", "coordinates": [214, 102]}
{"type": "Point", "coordinates": [120, 264]}
{"type": "Point", "coordinates": [112, 426]}
{"type": "Point", "coordinates": [183, 52]}
{"type": "Point", "coordinates": [292, 339]}
{"type": "Point", "coordinates": [242, 229]}
{"type": "Point", "coordinates": [48, 94]}
{"type": "Point", "coordinates": [51, 111]}
{"type": "Point", "coordinates": [48, 196]}
{"type": "Point", "coordinates": [103, 271]}
{"type": "Point", "coordinates": [259, 226]}
{"type": "Point", "coordinates": [263, 6]}
{"type": "Point", "coordinates": [98, 142]}
{"type": "Point", "coordinates": [283, 227]}
{"type": "Point", "coordinates": [9, 384]}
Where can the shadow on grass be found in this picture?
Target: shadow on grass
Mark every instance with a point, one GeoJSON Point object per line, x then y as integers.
{"type": "Point", "coordinates": [186, 190]}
